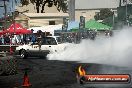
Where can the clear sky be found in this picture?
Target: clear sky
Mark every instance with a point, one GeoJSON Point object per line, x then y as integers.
{"type": "Point", "coordinates": [10, 7]}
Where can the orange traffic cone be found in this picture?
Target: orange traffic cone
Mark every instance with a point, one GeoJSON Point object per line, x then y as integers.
{"type": "Point", "coordinates": [26, 83]}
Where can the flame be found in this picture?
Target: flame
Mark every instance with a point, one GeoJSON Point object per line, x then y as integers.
{"type": "Point", "coordinates": [81, 71]}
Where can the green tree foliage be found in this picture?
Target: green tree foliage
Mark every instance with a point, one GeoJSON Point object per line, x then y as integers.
{"type": "Point", "coordinates": [104, 13]}
{"type": "Point", "coordinates": [60, 4]}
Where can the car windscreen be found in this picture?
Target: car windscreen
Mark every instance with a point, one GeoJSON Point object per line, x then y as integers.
{"type": "Point", "coordinates": [49, 41]}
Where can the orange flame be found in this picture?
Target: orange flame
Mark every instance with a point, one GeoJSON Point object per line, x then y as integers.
{"type": "Point", "coordinates": [81, 71]}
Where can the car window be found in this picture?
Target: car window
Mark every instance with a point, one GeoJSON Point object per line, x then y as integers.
{"type": "Point", "coordinates": [49, 41]}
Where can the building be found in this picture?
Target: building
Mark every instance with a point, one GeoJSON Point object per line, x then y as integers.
{"type": "Point", "coordinates": [50, 17]}
{"type": "Point", "coordinates": [32, 8]}
{"type": "Point", "coordinates": [42, 19]}
{"type": "Point", "coordinates": [89, 8]}
{"type": "Point", "coordinates": [86, 8]}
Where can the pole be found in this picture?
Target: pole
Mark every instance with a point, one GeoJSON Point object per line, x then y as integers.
{"type": "Point", "coordinates": [113, 19]}
{"type": "Point", "coordinates": [71, 10]}
{"type": "Point", "coordinates": [126, 11]}
{"type": "Point", "coordinates": [5, 14]}
{"type": "Point", "coordinates": [13, 16]}
{"type": "Point", "coordinates": [14, 29]}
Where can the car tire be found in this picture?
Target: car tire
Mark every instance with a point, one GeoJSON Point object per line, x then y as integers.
{"type": "Point", "coordinates": [23, 54]}
{"type": "Point", "coordinates": [43, 56]}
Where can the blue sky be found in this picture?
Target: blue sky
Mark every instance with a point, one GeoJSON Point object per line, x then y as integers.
{"type": "Point", "coordinates": [10, 6]}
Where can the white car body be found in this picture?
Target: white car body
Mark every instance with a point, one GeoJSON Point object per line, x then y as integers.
{"type": "Point", "coordinates": [33, 50]}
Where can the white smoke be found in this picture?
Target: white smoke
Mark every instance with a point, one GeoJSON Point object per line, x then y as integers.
{"type": "Point", "coordinates": [116, 50]}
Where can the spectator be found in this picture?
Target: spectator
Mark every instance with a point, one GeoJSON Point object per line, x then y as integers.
{"type": "Point", "coordinates": [18, 39]}
{"type": "Point", "coordinates": [7, 39]}
{"type": "Point", "coordinates": [14, 39]}
{"type": "Point", "coordinates": [2, 40]}
{"type": "Point", "coordinates": [24, 39]}
{"type": "Point", "coordinates": [21, 39]}
{"type": "Point", "coordinates": [33, 39]}
{"type": "Point", "coordinates": [39, 37]}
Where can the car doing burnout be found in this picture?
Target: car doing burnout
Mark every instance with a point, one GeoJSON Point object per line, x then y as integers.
{"type": "Point", "coordinates": [49, 44]}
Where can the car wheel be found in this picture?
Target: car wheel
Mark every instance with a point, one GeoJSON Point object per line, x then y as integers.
{"type": "Point", "coordinates": [44, 56]}
{"type": "Point", "coordinates": [23, 54]}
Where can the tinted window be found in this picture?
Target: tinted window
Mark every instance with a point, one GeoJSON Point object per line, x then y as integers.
{"type": "Point", "coordinates": [49, 41]}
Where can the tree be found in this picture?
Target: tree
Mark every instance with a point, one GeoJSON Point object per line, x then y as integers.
{"type": "Point", "coordinates": [104, 13]}
{"type": "Point", "coordinates": [60, 4]}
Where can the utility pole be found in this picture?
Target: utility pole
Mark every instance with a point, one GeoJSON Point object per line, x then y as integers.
{"type": "Point", "coordinates": [126, 12]}
{"type": "Point", "coordinates": [120, 3]}
{"type": "Point", "coordinates": [1, 27]}
{"type": "Point", "coordinates": [13, 16]}
{"type": "Point", "coordinates": [71, 10]}
{"type": "Point", "coordinates": [113, 23]}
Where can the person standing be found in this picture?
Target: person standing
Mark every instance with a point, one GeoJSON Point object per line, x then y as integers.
{"type": "Point", "coordinates": [2, 40]}
{"type": "Point", "coordinates": [39, 37]}
{"type": "Point", "coordinates": [7, 39]}
{"type": "Point", "coordinates": [33, 39]}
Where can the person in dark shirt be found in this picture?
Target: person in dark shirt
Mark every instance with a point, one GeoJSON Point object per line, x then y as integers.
{"type": "Point", "coordinates": [33, 39]}
{"type": "Point", "coordinates": [39, 37]}
{"type": "Point", "coordinates": [0, 41]}
{"type": "Point", "coordinates": [7, 39]}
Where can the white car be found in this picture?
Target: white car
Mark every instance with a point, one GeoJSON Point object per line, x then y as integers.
{"type": "Point", "coordinates": [49, 45]}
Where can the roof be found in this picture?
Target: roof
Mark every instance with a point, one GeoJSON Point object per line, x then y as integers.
{"type": "Point", "coordinates": [46, 14]}
{"type": "Point", "coordinates": [96, 4]}
{"type": "Point", "coordinates": [49, 28]}
{"type": "Point", "coordinates": [94, 25]}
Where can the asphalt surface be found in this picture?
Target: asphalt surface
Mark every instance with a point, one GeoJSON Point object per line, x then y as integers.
{"type": "Point", "coordinates": [43, 73]}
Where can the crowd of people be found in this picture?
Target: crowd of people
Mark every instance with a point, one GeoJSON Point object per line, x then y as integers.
{"type": "Point", "coordinates": [13, 39]}
{"type": "Point", "coordinates": [20, 39]}
{"type": "Point", "coordinates": [65, 37]}
{"type": "Point", "coordinates": [76, 37]}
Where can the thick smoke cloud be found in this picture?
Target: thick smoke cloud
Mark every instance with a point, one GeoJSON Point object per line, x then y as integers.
{"type": "Point", "coordinates": [116, 50]}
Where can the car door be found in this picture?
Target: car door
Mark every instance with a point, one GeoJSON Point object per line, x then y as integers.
{"type": "Point", "coordinates": [49, 43]}
{"type": "Point", "coordinates": [33, 49]}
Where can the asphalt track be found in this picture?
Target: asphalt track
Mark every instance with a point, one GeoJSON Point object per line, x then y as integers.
{"type": "Point", "coordinates": [43, 73]}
